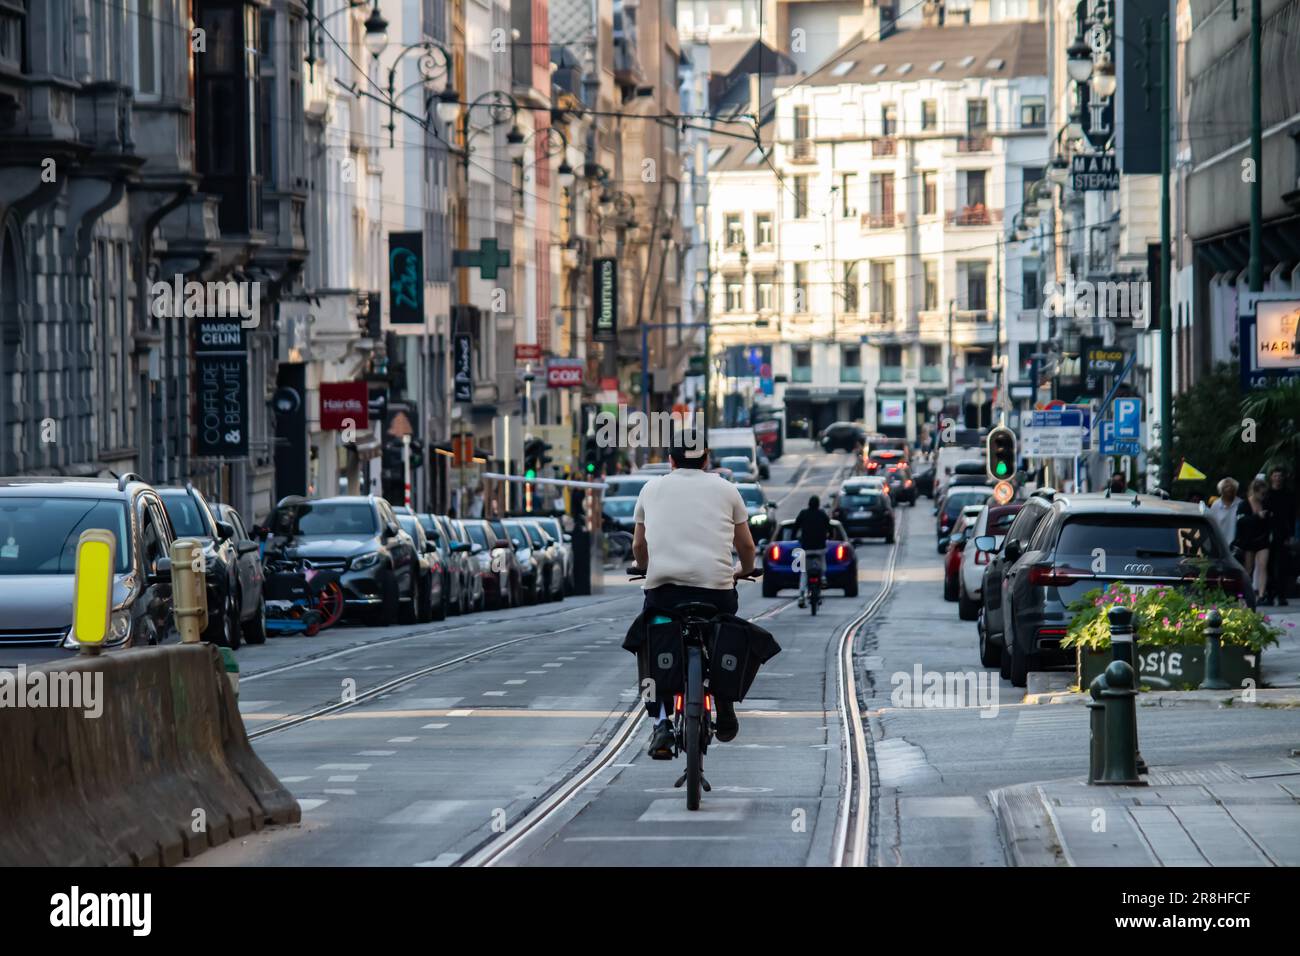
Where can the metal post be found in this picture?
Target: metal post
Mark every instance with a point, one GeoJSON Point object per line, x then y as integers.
{"type": "Point", "coordinates": [1256, 151]}
{"type": "Point", "coordinates": [1213, 645]}
{"type": "Point", "coordinates": [1120, 697]}
{"type": "Point", "coordinates": [951, 303]}
{"type": "Point", "coordinates": [1166, 332]}
{"type": "Point", "coordinates": [406, 470]}
{"type": "Point", "coordinates": [1124, 650]}
{"type": "Point", "coordinates": [645, 368]}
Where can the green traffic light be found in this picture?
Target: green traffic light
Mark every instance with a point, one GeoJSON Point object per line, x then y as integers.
{"type": "Point", "coordinates": [530, 474]}
{"type": "Point", "coordinates": [1001, 468]}
{"type": "Point", "coordinates": [590, 468]}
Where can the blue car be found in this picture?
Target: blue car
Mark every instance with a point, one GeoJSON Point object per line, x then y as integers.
{"type": "Point", "coordinates": [778, 561]}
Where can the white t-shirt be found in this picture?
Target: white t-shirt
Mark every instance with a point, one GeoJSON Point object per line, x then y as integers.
{"type": "Point", "coordinates": [1225, 516]}
{"type": "Point", "coordinates": [690, 519]}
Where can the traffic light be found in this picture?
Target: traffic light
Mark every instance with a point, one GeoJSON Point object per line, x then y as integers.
{"type": "Point", "coordinates": [534, 455]}
{"type": "Point", "coordinates": [590, 455]}
{"type": "Point", "coordinates": [1001, 451]}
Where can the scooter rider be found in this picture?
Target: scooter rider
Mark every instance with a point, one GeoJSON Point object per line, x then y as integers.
{"type": "Point", "coordinates": [811, 528]}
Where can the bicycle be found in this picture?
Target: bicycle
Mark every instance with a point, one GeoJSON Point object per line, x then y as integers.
{"type": "Point", "coordinates": [693, 709]}
{"type": "Point", "coordinates": [814, 568]}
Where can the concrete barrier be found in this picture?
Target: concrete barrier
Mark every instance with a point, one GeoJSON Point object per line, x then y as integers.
{"type": "Point", "coordinates": [163, 773]}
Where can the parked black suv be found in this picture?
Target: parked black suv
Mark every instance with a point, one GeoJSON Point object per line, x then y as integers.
{"type": "Point", "coordinates": [359, 537]}
{"type": "Point", "coordinates": [40, 522]}
{"type": "Point", "coordinates": [1139, 540]}
{"type": "Point", "coordinates": [843, 435]}
{"type": "Point", "coordinates": [230, 605]}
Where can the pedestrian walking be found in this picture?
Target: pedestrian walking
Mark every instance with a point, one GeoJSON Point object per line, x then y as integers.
{"type": "Point", "coordinates": [1279, 502]}
{"type": "Point", "coordinates": [1227, 510]}
{"type": "Point", "coordinates": [1253, 531]}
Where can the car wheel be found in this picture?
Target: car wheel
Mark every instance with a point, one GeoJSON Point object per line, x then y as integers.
{"type": "Point", "coordinates": [851, 587]}
{"type": "Point", "coordinates": [231, 636]}
{"type": "Point", "coordinates": [426, 601]}
{"type": "Point", "coordinates": [949, 588]}
{"type": "Point", "coordinates": [391, 608]}
{"type": "Point", "coordinates": [967, 609]}
{"type": "Point", "coordinates": [438, 608]}
{"type": "Point", "coordinates": [889, 538]}
{"type": "Point", "coordinates": [990, 653]}
{"type": "Point", "coordinates": [1019, 675]}
{"type": "Point", "coordinates": [409, 611]}
{"type": "Point", "coordinates": [255, 630]}
{"type": "Point", "coordinates": [769, 586]}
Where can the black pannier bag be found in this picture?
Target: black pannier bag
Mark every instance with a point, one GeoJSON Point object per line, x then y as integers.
{"type": "Point", "coordinates": [737, 649]}
{"type": "Point", "coordinates": [656, 639]}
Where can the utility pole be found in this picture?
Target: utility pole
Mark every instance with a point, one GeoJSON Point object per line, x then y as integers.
{"type": "Point", "coordinates": [1166, 332]}
{"type": "Point", "coordinates": [1256, 151]}
{"type": "Point", "coordinates": [951, 303]}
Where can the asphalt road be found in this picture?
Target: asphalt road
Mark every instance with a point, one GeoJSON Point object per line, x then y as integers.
{"type": "Point", "coordinates": [463, 729]}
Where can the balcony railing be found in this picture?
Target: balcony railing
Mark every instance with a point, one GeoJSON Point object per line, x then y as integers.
{"type": "Point", "coordinates": [891, 373]}
{"type": "Point", "coordinates": [882, 220]}
{"type": "Point", "coordinates": [801, 373]}
{"type": "Point", "coordinates": [931, 373]}
{"type": "Point", "coordinates": [884, 146]}
{"type": "Point", "coordinates": [972, 315]}
{"type": "Point", "coordinates": [880, 318]}
{"type": "Point", "coordinates": [802, 151]}
{"type": "Point", "coordinates": [977, 215]}
{"type": "Point", "coordinates": [978, 373]}
{"type": "Point", "coordinates": [850, 373]}
{"type": "Point", "coordinates": [975, 143]}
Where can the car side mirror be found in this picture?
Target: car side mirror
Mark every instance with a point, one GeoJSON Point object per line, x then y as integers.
{"type": "Point", "coordinates": [943, 543]}
{"type": "Point", "coordinates": [461, 547]}
{"type": "Point", "coordinates": [986, 542]}
{"type": "Point", "coordinates": [247, 547]}
{"type": "Point", "coordinates": [162, 571]}
{"type": "Point", "coordinates": [567, 537]}
{"type": "Point", "coordinates": [476, 548]}
{"type": "Point", "coordinates": [390, 531]}
{"type": "Point", "coordinates": [934, 510]}
{"type": "Point", "coordinates": [1012, 550]}
{"type": "Point", "coordinates": [225, 530]}
{"type": "Point", "coordinates": [430, 548]}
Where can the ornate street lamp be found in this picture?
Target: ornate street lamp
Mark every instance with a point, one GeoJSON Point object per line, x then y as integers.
{"type": "Point", "coordinates": [376, 38]}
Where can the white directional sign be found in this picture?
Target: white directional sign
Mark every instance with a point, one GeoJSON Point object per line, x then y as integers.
{"type": "Point", "coordinates": [1051, 442]}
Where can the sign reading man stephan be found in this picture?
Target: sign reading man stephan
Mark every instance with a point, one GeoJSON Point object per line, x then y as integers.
{"type": "Point", "coordinates": [344, 402]}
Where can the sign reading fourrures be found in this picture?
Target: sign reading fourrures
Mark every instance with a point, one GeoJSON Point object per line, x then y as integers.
{"type": "Point", "coordinates": [220, 388]}
{"type": "Point", "coordinates": [606, 295]}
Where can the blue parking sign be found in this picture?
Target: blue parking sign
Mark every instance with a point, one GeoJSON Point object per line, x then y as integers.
{"type": "Point", "coordinates": [1128, 418]}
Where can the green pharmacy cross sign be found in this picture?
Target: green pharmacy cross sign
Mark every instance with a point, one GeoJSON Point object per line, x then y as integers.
{"type": "Point", "coordinates": [488, 257]}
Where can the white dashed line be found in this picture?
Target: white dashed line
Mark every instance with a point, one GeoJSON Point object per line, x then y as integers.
{"type": "Point", "coordinates": [373, 753]}
{"type": "Point", "coordinates": [341, 793]}
{"type": "Point", "coordinates": [401, 740]}
{"type": "Point", "coordinates": [434, 726]}
{"type": "Point", "coordinates": [343, 778]}
{"type": "Point", "coordinates": [309, 805]}
{"type": "Point", "coordinates": [344, 766]}
{"type": "Point", "coordinates": [494, 693]}
{"type": "Point", "coordinates": [512, 682]}
{"type": "Point", "coordinates": [293, 779]}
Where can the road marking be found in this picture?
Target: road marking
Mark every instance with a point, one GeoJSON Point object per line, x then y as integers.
{"type": "Point", "coordinates": [434, 726]}
{"type": "Point", "coordinates": [434, 713]}
{"type": "Point", "coordinates": [442, 859]}
{"type": "Point", "coordinates": [430, 812]}
{"type": "Point", "coordinates": [534, 712]}
{"type": "Point", "coordinates": [674, 811]}
{"type": "Point", "coordinates": [343, 778]}
{"type": "Point", "coordinates": [402, 740]}
{"type": "Point", "coordinates": [374, 753]}
{"type": "Point", "coordinates": [515, 682]}
{"type": "Point", "coordinates": [345, 766]}
{"type": "Point", "coordinates": [650, 839]}
{"type": "Point", "coordinates": [341, 793]}
{"type": "Point", "coordinates": [553, 664]}
{"type": "Point", "coordinates": [536, 672]}
{"type": "Point", "coordinates": [293, 779]}
{"type": "Point", "coordinates": [308, 805]}
{"type": "Point", "coordinates": [494, 693]}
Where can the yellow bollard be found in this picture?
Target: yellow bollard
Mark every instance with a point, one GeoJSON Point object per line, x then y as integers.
{"type": "Point", "coordinates": [92, 595]}
{"type": "Point", "coordinates": [189, 589]}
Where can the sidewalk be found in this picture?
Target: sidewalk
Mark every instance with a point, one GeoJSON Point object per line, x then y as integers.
{"type": "Point", "coordinates": [1226, 814]}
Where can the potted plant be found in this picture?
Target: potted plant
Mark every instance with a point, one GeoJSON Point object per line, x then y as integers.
{"type": "Point", "coordinates": [1169, 628]}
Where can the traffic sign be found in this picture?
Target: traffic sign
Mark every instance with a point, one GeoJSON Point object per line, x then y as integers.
{"type": "Point", "coordinates": [1003, 492]}
{"type": "Point", "coordinates": [1128, 418]}
{"type": "Point", "coordinates": [1110, 445]}
{"type": "Point", "coordinates": [1052, 441]}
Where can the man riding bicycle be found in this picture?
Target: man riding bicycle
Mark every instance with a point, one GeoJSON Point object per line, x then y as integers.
{"type": "Point", "coordinates": [811, 529]}
{"type": "Point", "coordinates": [687, 524]}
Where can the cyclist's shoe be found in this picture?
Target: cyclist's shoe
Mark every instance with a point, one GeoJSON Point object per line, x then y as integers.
{"type": "Point", "coordinates": [803, 600]}
{"type": "Point", "coordinates": [728, 725]}
{"type": "Point", "coordinates": [661, 741]}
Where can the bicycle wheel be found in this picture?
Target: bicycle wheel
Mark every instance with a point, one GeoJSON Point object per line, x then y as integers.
{"type": "Point", "coordinates": [694, 729]}
{"type": "Point", "coordinates": [815, 598]}
{"type": "Point", "coordinates": [330, 604]}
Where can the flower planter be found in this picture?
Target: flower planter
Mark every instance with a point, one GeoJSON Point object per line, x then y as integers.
{"type": "Point", "coordinates": [1174, 666]}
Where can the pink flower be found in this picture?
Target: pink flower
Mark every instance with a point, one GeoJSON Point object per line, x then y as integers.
{"type": "Point", "coordinates": [1165, 621]}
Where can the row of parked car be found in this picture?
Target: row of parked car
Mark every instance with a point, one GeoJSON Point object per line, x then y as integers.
{"type": "Point", "coordinates": [1015, 568]}
{"type": "Point", "coordinates": [393, 566]}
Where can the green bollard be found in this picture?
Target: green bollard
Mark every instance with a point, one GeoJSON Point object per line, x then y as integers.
{"type": "Point", "coordinates": [1096, 729]}
{"type": "Point", "coordinates": [1120, 696]}
{"type": "Point", "coordinates": [1124, 648]}
{"type": "Point", "coordinates": [1213, 645]}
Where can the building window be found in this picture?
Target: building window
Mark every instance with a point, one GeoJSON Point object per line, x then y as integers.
{"type": "Point", "coordinates": [148, 84]}
{"type": "Point", "coordinates": [801, 363]}
{"type": "Point", "coordinates": [765, 293]}
{"type": "Point", "coordinates": [888, 119]}
{"type": "Point", "coordinates": [848, 183]}
{"type": "Point", "coordinates": [800, 197]}
{"type": "Point", "coordinates": [929, 193]}
{"type": "Point", "coordinates": [973, 180]}
{"type": "Point", "coordinates": [882, 199]}
{"type": "Point", "coordinates": [931, 355]}
{"type": "Point", "coordinates": [891, 363]}
{"type": "Point", "coordinates": [800, 303]}
{"type": "Point", "coordinates": [1031, 176]}
{"type": "Point", "coordinates": [735, 296]}
{"type": "Point", "coordinates": [930, 271]}
{"type": "Point", "coordinates": [850, 287]}
{"type": "Point", "coordinates": [977, 117]}
{"type": "Point", "coordinates": [735, 231]}
{"type": "Point", "coordinates": [851, 363]}
{"type": "Point", "coordinates": [763, 229]}
{"type": "Point", "coordinates": [1033, 112]}
{"type": "Point", "coordinates": [976, 282]}
{"type": "Point", "coordinates": [1031, 284]}
{"type": "Point", "coordinates": [802, 123]}
{"type": "Point", "coordinates": [929, 115]}
{"type": "Point", "coordinates": [882, 288]}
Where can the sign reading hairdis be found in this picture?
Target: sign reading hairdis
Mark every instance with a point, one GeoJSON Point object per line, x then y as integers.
{"type": "Point", "coordinates": [605, 328]}
{"type": "Point", "coordinates": [220, 388]}
{"type": "Point", "coordinates": [406, 278]}
{"type": "Point", "coordinates": [344, 402]}
{"type": "Point", "coordinates": [1275, 331]}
